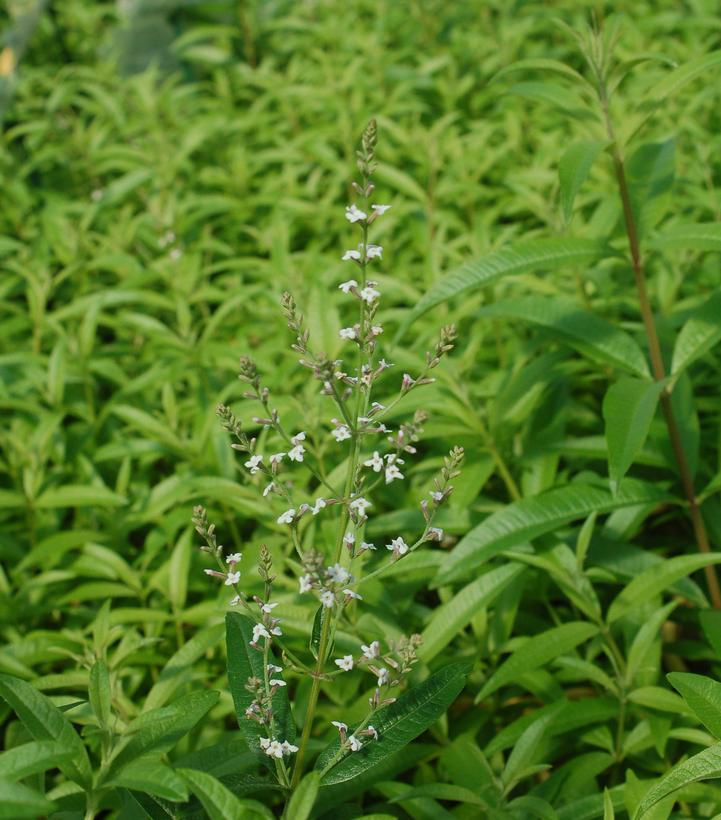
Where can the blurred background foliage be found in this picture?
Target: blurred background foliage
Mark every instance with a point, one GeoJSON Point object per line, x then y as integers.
{"type": "Point", "coordinates": [169, 168]}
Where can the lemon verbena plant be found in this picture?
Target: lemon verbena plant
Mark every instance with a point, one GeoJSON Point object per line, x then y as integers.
{"type": "Point", "coordinates": [267, 669]}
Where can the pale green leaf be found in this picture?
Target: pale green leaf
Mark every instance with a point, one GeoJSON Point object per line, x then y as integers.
{"type": "Point", "coordinates": [219, 802]}
{"type": "Point", "coordinates": [18, 801]}
{"type": "Point", "coordinates": [31, 758]}
{"type": "Point", "coordinates": [703, 695]}
{"type": "Point", "coordinates": [301, 803]}
{"type": "Point", "coordinates": [573, 170]}
{"type": "Point", "coordinates": [700, 333]}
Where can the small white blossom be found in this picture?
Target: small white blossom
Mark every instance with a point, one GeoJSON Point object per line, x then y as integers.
{"type": "Point", "coordinates": [327, 598]}
{"type": "Point", "coordinates": [259, 631]}
{"type": "Point", "coordinates": [351, 255]}
{"type": "Point", "coordinates": [435, 534]}
{"type": "Point", "coordinates": [341, 433]}
{"type": "Point", "coordinates": [345, 663]}
{"type": "Point", "coordinates": [373, 650]}
{"type": "Point", "coordinates": [234, 601]}
{"type": "Point", "coordinates": [398, 546]}
{"type": "Point", "coordinates": [269, 489]}
{"type": "Point", "coordinates": [276, 458]}
{"type": "Point", "coordinates": [264, 743]}
{"type": "Point", "coordinates": [384, 365]}
{"type": "Point", "coordinates": [232, 578]}
{"type": "Point", "coordinates": [213, 572]}
{"type": "Point", "coordinates": [436, 496]}
{"type": "Point", "coordinates": [306, 583]}
{"type": "Point", "coordinates": [234, 558]}
{"type": "Point", "coordinates": [407, 382]}
{"type": "Point", "coordinates": [373, 251]}
{"type": "Point", "coordinates": [392, 472]}
{"type": "Point", "coordinates": [289, 748]}
{"type": "Point", "coordinates": [347, 333]}
{"type": "Point", "coordinates": [376, 462]}
{"type": "Point", "coordinates": [275, 749]}
{"type": "Point", "coordinates": [253, 464]}
{"type": "Point", "coordinates": [352, 595]}
{"type": "Point", "coordinates": [383, 676]}
{"type": "Point", "coordinates": [320, 503]}
{"type": "Point", "coordinates": [96, 195]}
{"type": "Point", "coordinates": [376, 330]}
{"type": "Point", "coordinates": [276, 682]}
{"type": "Point", "coordinates": [276, 630]}
{"type": "Point", "coordinates": [371, 730]}
{"type": "Point", "coordinates": [340, 726]}
{"type": "Point", "coordinates": [380, 209]}
{"type": "Point", "coordinates": [354, 214]}
{"type": "Point", "coordinates": [296, 453]}
{"type": "Point", "coordinates": [360, 505]}
{"type": "Point", "coordinates": [175, 254]}
{"type": "Point", "coordinates": [365, 545]}
{"type": "Point", "coordinates": [273, 668]}
{"type": "Point", "coordinates": [349, 539]}
{"type": "Point", "coordinates": [268, 608]}
{"type": "Point", "coordinates": [338, 574]}
{"type": "Point", "coordinates": [369, 294]}
{"type": "Point", "coordinates": [297, 438]}
{"type": "Point", "coordinates": [355, 744]}
{"type": "Point", "coordinates": [287, 517]}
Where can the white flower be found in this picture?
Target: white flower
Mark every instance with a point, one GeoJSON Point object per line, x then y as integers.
{"type": "Point", "coordinates": [398, 546]}
{"type": "Point", "coordinates": [355, 744]}
{"type": "Point", "coordinates": [347, 333]}
{"type": "Point", "coordinates": [341, 727]}
{"type": "Point", "coordinates": [296, 453]}
{"type": "Point", "coordinates": [338, 574]}
{"type": "Point", "coordinates": [350, 594]}
{"type": "Point", "coordinates": [341, 433]}
{"type": "Point", "coordinates": [234, 601]}
{"type": "Point", "coordinates": [373, 251]}
{"type": "Point", "coordinates": [253, 464]}
{"type": "Point", "coordinates": [275, 749]}
{"type": "Point", "coordinates": [306, 583]}
{"type": "Point", "coordinates": [234, 558]}
{"type": "Point", "coordinates": [289, 748]}
{"type": "Point", "coordinates": [287, 517]}
{"type": "Point", "coordinates": [276, 458]}
{"type": "Point", "coordinates": [436, 496]}
{"type": "Point", "coordinates": [264, 743]}
{"type": "Point", "coordinates": [175, 253]}
{"type": "Point", "coordinates": [366, 546]}
{"type": "Point", "coordinates": [345, 663]}
{"type": "Point", "coordinates": [376, 463]}
{"type": "Point", "coordinates": [297, 438]}
{"type": "Point", "coordinates": [351, 255]}
{"type": "Point", "coordinates": [392, 472]}
{"type": "Point", "coordinates": [276, 630]}
{"type": "Point", "coordinates": [369, 294]}
{"type": "Point", "coordinates": [232, 578]}
{"type": "Point", "coordinates": [376, 330]}
{"type": "Point", "coordinates": [276, 682]}
{"type": "Point", "coordinates": [348, 539]}
{"type": "Point", "coordinates": [384, 365]}
{"type": "Point", "coordinates": [213, 572]}
{"type": "Point", "coordinates": [320, 503]}
{"type": "Point", "coordinates": [407, 382]}
{"type": "Point", "coordinates": [383, 676]}
{"type": "Point", "coordinates": [327, 598]}
{"type": "Point", "coordinates": [360, 505]}
{"type": "Point", "coordinates": [380, 209]}
{"type": "Point", "coordinates": [268, 608]}
{"type": "Point", "coordinates": [273, 668]}
{"type": "Point", "coordinates": [269, 489]}
{"type": "Point", "coordinates": [373, 650]}
{"type": "Point", "coordinates": [353, 214]}
{"type": "Point", "coordinates": [371, 730]}
{"type": "Point", "coordinates": [259, 631]}
{"type": "Point", "coordinates": [435, 534]}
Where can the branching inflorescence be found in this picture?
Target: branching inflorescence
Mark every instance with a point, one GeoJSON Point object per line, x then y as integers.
{"type": "Point", "coordinates": [376, 455]}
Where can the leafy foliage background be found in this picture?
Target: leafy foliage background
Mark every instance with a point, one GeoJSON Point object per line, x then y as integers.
{"type": "Point", "coordinates": [233, 127]}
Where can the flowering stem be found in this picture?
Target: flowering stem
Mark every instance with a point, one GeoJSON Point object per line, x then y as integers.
{"type": "Point", "coordinates": [279, 764]}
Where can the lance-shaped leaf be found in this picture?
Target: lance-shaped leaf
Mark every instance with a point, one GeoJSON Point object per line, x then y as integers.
{"type": "Point", "coordinates": [700, 333]}
{"type": "Point", "coordinates": [219, 802]}
{"type": "Point", "coordinates": [628, 409]}
{"type": "Point", "coordinates": [537, 652]}
{"type": "Point", "coordinates": [700, 236]}
{"type": "Point", "coordinates": [703, 695]}
{"type": "Point", "coordinates": [18, 801]}
{"type": "Point", "coordinates": [530, 517]}
{"type": "Point", "coordinates": [45, 721]}
{"type": "Point", "coordinates": [31, 758]}
{"type": "Point", "coordinates": [449, 619]}
{"type": "Point", "coordinates": [703, 766]}
{"type": "Point", "coordinates": [573, 170]}
{"type": "Point", "coordinates": [397, 725]}
{"type": "Point", "coordinates": [538, 255]}
{"type": "Point", "coordinates": [303, 799]}
{"type": "Point", "coordinates": [245, 662]}
{"type": "Point", "coordinates": [584, 331]}
{"type": "Point", "coordinates": [657, 579]}
{"type": "Point", "coordinates": [152, 777]}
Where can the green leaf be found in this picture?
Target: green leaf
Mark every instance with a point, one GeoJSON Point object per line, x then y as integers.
{"type": "Point", "coordinates": [538, 651]}
{"type": "Point", "coordinates": [538, 255]}
{"type": "Point", "coordinates": [628, 409]}
{"type": "Point", "coordinates": [160, 729]}
{"type": "Point", "coordinates": [573, 170]}
{"type": "Point", "coordinates": [656, 580]}
{"type": "Point", "coordinates": [700, 333]}
{"type": "Point", "coordinates": [245, 662]}
{"type": "Point", "coordinates": [528, 518]}
{"type": "Point", "coordinates": [533, 806]}
{"type": "Point", "coordinates": [19, 801]}
{"type": "Point", "coordinates": [99, 691]}
{"type": "Point", "coordinates": [702, 236]}
{"type": "Point", "coordinates": [541, 64]}
{"type": "Point", "coordinates": [152, 777]}
{"type": "Point", "coordinates": [703, 766]}
{"type": "Point", "coordinates": [45, 721]}
{"type": "Point", "coordinates": [79, 495]}
{"type": "Point", "coordinates": [650, 173]}
{"type": "Point", "coordinates": [219, 802]}
{"type": "Point", "coordinates": [680, 77]}
{"type": "Point", "coordinates": [608, 810]}
{"type": "Point", "coordinates": [526, 749]}
{"type": "Point", "coordinates": [645, 637]}
{"type": "Point", "coordinates": [711, 625]}
{"type": "Point", "coordinates": [448, 620]}
{"type": "Point", "coordinates": [703, 695]}
{"type": "Point", "coordinates": [440, 791]}
{"type": "Point", "coordinates": [303, 799]}
{"type": "Point", "coordinates": [397, 725]}
{"type": "Point", "coordinates": [583, 331]}
{"type": "Point", "coordinates": [31, 758]}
